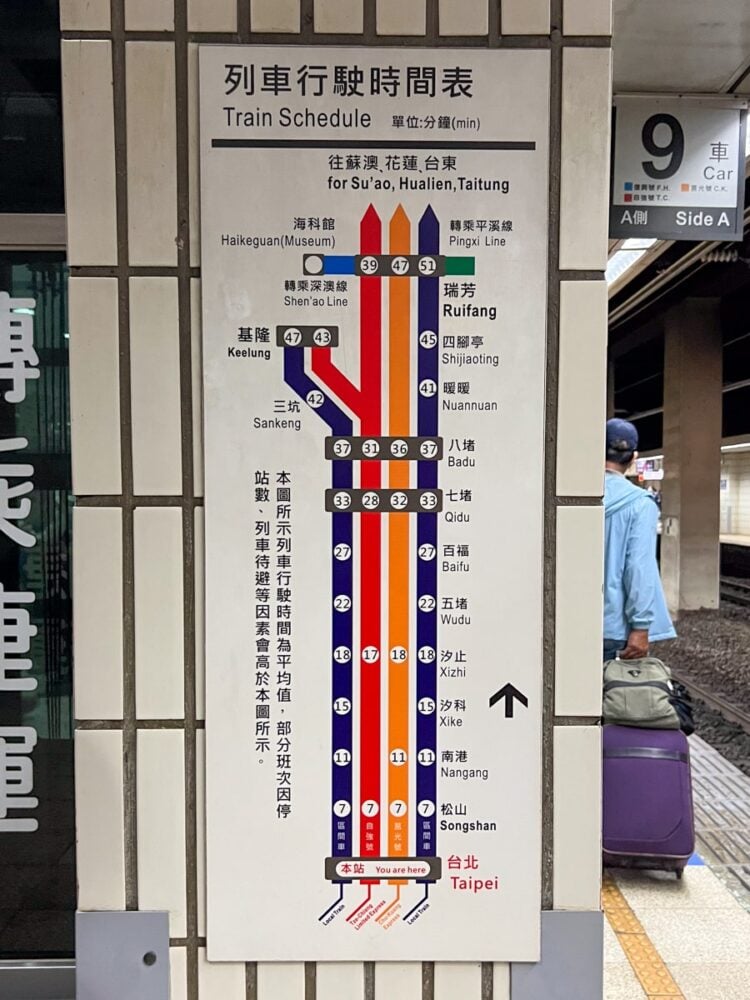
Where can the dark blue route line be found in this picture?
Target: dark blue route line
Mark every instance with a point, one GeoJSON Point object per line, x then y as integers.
{"type": "Point", "coordinates": [342, 621]}
{"type": "Point", "coordinates": [427, 535]}
{"type": "Point", "coordinates": [422, 900]}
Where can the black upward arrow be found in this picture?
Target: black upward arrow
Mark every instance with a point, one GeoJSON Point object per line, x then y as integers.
{"type": "Point", "coordinates": [510, 694]}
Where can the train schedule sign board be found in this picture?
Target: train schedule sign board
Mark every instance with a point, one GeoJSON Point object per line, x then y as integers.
{"type": "Point", "coordinates": [678, 168]}
{"type": "Point", "coordinates": [374, 247]}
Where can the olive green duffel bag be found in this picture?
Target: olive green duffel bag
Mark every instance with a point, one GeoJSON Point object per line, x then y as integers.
{"type": "Point", "coordinates": [639, 693]}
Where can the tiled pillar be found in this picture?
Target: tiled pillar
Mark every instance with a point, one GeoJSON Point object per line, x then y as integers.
{"type": "Point", "coordinates": [130, 97]}
{"type": "Point", "coordinates": [692, 455]}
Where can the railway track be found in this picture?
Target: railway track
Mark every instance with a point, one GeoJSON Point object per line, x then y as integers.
{"type": "Point", "coordinates": [715, 701]}
{"type": "Point", "coordinates": [735, 590]}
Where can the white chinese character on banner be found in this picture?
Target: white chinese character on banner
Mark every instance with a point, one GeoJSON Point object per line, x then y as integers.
{"type": "Point", "coordinates": [17, 778]}
{"type": "Point", "coordinates": [16, 633]}
{"type": "Point", "coordinates": [8, 493]}
{"type": "Point", "coordinates": [18, 359]}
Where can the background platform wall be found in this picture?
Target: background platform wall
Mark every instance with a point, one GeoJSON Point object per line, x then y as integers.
{"type": "Point", "coordinates": [131, 159]}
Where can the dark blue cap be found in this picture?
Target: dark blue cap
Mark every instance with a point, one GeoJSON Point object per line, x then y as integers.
{"type": "Point", "coordinates": [622, 440]}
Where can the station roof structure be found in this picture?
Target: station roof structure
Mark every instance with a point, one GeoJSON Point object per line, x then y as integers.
{"type": "Point", "coordinates": [680, 47]}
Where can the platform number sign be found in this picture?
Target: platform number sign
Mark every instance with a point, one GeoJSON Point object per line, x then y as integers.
{"type": "Point", "coordinates": [678, 169]}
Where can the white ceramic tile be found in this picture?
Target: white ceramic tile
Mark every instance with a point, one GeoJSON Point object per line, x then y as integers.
{"type": "Point", "coordinates": [524, 17]}
{"type": "Point", "coordinates": [577, 824]}
{"type": "Point", "coordinates": [398, 980]}
{"type": "Point", "coordinates": [582, 388]}
{"type": "Point", "coordinates": [152, 153]}
{"type": "Point", "coordinates": [200, 826]}
{"type": "Point", "coordinates": [345, 16]}
{"type": "Point", "coordinates": [457, 979]}
{"type": "Point", "coordinates": [200, 611]}
{"type": "Point", "coordinates": [149, 15]}
{"type": "Point", "coordinates": [281, 981]}
{"type": "Point", "coordinates": [155, 387]}
{"type": "Point", "coordinates": [463, 17]}
{"type": "Point", "coordinates": [89, 151]}
{"type": "Point", "coordinates": [401, 17]}
{"type": "Point", "coordinates": [161, 825]}
{"type": "Point", "coordinates": [220, 980]}
{"type": "Point", "coordinates": [100, 823]}
{"type": "Point", "coordinates": [339, 979]}
{"type": "Point", "coordinates": [84, 15]}
{"type": "Point", "coordinates": [275, 15]}
{"type": "Point", "coordinates": [94, 351]}
{"type": "Point", "coordinates": [159, 685]}
{"type": "Point", "coordinates": [97, 614]}
{"type": "Point", "coordinates": [586, 110]}
{"type": "Point", "coordinates": [578, 611]}
{"type": "Point", "coordinates": [178, 974]}
{"type": "Point", "coordinates": [587, 17]}
{"type": "Point", "coordinates": [501, 981]}
{"type": "Point", "coordinates": [194, 209]}
{"type": "Point", "coordinates": [197, 378]}
{"type": "Point", "coordinates": [212, 15]}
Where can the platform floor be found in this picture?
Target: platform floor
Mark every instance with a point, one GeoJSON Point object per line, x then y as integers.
{"type": "Point", "coordinates": [688, 938]}
{"type": "Point", "coordinates": [735, 540]}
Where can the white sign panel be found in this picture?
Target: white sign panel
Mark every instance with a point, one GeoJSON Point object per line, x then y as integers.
{"type": "Point", "coordinates": [374, 247]}
{"type": "Point", "coordinates": [679, 169]}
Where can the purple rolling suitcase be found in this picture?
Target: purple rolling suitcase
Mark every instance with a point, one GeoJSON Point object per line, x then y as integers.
{"type": "Point", "coordinates": [648, 799]}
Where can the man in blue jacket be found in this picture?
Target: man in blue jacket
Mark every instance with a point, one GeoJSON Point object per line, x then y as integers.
{"type": "Point", "coordinates": [635, 612]}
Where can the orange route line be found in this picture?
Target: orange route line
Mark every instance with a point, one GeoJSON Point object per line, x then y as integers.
{"type": "Point", "coordinates": [399, 423]}
{"type": "Point", "coordinates": [390, 906]}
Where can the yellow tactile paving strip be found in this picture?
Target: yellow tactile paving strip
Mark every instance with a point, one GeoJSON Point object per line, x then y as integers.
{"type": "Point", "coordinates": [645, 960]}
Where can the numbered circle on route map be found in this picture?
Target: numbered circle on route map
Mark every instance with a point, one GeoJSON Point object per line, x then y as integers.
{"type": "Point", "coordinates": [426, 808]}
{"type": "Point", "coordinates": [342, 501]}
{"type": "Point", "coordinates": [398, 654]}
{"type": "Point", "coordinates": [371, 654]}
{"type": "Point", "coordinates": [399, 448]}
{"type": "Point", "coordinates": [342, 654]}
{"type": "Point", "coordinates": [292, 337]}
{"type": "Point", "coordinates": [426, 757]}
{"type": "Point", "coordinates": [369, 265]}
{"type": "Point", "coordinates": [399, 500]}
{"type": "Point", "coordinates": [342, 706]}
{"type": "Point", "coordinates": [426, 706]}
{"type": "Point", "coordinates": [342, 602]}
{"type": "Point", "coordinates": [400, 265]}
{"type": "Point", "coordinates": [342, 552]}
{"type": "Point", "coordinates": [427, 603]}
{"type": "Point", "coordinates": [428, 501]}
{"type": "Point", "coordinates": [428, 339]}
{"type": "Point", "coordinates": [398, 807]}
{"type": "Point", "coordinates": [322, 337]}
{"type": "Point", "coordinates": [342, 758]}
{"type": "Point", "coordinates": [428, 449]}
{"type": "Point", "coordinates": [370, 448]}
{"type": "Point", "coordinates": [426, 654]}
{"type": "Point", "coordinates": [315, 398]}
{"type": "Point", "coordinates": [427, 552]}
{"type": "Point", "coordinates": [398, 757]}
{"type": "Point", "coordinates": [370, 807]}
{"type": "Point", "coordinates": [370, 500]}
{"type": "Point", "coordinates": [342, 808]}
{"type": "Point", "coordinates": [427, 265]}
{"type": "Point", "coordinates": [427, 388]}
{"type": "Point", "coordinates": [342, 448]}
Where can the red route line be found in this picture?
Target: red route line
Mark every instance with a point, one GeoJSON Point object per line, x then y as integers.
{"type": "Point", "coordinates": [370, 306]}
{"type": "Point", "coordinates": [335, 380]}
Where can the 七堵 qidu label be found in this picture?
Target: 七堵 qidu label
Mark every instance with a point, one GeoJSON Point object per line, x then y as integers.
{"type": "Point", "coordinates": [679, 168]}
{"type": "Point", "coordinates": [374, 282]}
